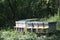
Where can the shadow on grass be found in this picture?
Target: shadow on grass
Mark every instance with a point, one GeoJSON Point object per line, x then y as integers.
{"type": "Point", "coordinates": [57, 33]}
{"type": "Point", "coordinates": [1, 38]}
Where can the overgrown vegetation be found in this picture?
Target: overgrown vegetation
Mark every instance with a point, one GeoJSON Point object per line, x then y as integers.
{"type": "Point", "coordinates": [54, 18]}
{"type": "Point", "coordinates": [12, 10]}
{"type": "Point", "coordinates": [14, 35]}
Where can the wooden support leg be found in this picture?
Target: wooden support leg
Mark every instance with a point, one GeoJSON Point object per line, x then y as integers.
{"type": "Point", "coordinates": [31, 29]}
{"type": "Point", "coordinates": [16, 29]}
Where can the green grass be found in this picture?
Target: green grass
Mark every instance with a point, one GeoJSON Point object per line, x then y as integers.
{"type": "Point", "coordinates": [14, 35]}
{"type": "Point", "coordinates": [54, 18]}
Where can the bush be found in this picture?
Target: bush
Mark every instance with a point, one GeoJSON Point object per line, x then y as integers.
{"type": "Point", "coordinates": [14, 35]}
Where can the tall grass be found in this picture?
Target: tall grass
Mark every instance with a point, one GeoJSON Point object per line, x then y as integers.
{"type": "Point", "coordinates": [14, 35]}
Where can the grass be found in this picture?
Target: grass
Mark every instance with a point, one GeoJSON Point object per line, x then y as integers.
{"type": "Point", "coordinates": [54, 18]}
{"type": "Point", "coordinates": [14, 35]}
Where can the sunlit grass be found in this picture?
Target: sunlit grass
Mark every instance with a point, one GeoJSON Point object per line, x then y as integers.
{"type": "Point", "coordinates": [54, 18]}
{"type": "Point", "coordinates": [14, 35]}
{"type": "Point", "coordinates": [11, 35]}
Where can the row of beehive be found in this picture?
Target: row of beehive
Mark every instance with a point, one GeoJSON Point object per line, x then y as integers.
{"type": "Point", "coordinates": [36, 25]}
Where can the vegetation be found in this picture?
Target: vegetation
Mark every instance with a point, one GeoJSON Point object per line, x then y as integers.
{"type": "Point", "coordinates": [12, 10]}
{"type": "Point", "coordinates": [54, 18]}
{"type": "Point", "coordinates": [14, 35]}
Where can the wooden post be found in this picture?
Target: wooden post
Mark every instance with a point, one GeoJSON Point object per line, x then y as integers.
{"type": "Point", "coordinates": [25, 29]}
{"type": "Point", "coordinates": [43, 27]}
{"type": "Point", "coordinates": [16, 28]}
{"type": "Point", "coordinates": [31, 30]}
{"type": "Point", "coordinates": [32, 27]}
{"type": "Point", "coordinates": [37, 28]}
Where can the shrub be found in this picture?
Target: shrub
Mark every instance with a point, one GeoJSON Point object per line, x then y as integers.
{"type": "Point", "coordinates": [14, 35]}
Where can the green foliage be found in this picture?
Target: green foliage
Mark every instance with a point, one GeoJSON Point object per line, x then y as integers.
{"type": "Point", "coordinates": [54, 18]}
{"type": "Point", "coordinates": [14, 35]}
{"type": "Point", "coordinates": [12, 10]}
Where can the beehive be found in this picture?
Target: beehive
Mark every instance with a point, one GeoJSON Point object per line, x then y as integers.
{"type": "Point", "coordinates": [35, 26]}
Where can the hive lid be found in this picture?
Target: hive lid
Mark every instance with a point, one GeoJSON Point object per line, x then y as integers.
{"type": "Point", "coordinates": [22, 21]}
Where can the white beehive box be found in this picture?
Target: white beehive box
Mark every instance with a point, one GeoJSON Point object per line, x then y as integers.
{"type": "Point", "coordinates": [20, 24]}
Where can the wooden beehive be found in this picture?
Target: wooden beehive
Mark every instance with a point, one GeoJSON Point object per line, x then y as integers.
{"type": "Point", "coordinates": [35, 26]}
{"type": "Point", "coordinates": [52, 27]}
